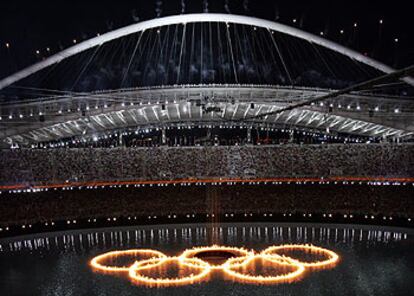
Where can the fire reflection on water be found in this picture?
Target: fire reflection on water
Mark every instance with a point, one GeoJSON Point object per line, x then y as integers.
{"type": "Point", "coordinates": [274, 265]}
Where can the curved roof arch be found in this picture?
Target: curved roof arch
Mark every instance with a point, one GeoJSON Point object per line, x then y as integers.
{"type": "Point", "coordinates": [195, 18]}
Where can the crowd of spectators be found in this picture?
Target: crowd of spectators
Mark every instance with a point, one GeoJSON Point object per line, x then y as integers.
{"type": "Point", "coordinates": [57, 166]}
{"type": "Point", "coordinates": [203, 136]}
{"type": "Point", "coordinates": [395, 201]}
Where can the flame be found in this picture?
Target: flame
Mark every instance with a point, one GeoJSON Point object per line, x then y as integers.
{"type": "Point", "coordinates": [98, 266]}
{"type": "Point", "coordinates": [231, 265]}
{"type": "Point", "coordinates": [241, 252]}
{"type": "Point", "coordinates": [237, 268]}
{"type": "Point", "coordinates": [332, 257]}
{"type": "Point", "coordinates": [193, 263]}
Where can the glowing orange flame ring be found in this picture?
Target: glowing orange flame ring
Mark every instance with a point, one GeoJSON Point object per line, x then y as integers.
{"type": "Point", "coordinates": [332, 257]}
{"type": "Point", "coordinates": [231, 264]}
{"type": "Point", "coordinates": [191, 253]}
{"type": "Point", "coordinates": [155, 262]}
{"type": "Point", "coordinates": [187, 259]}
{"type": "Point", "coordinates": [97, 265]}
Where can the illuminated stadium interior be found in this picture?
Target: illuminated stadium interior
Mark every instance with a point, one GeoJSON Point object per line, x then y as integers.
{"type": "Point", "coordinates": [197, 149]}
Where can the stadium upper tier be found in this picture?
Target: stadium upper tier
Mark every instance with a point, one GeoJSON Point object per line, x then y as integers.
{"type": "Point", "coordinates": [200, 67]}
{"type": "Point", "coordinates": [24, 168]}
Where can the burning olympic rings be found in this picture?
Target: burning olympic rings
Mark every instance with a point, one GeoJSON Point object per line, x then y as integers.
{"type": "Point", "coordinates": [236, 267]}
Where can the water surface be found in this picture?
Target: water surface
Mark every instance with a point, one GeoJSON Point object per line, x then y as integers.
{"type": "Point", "coordinates": [374, 260]}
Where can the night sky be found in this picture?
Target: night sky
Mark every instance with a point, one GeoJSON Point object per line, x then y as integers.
{"type": "Point", "coordinates": [28, 26]}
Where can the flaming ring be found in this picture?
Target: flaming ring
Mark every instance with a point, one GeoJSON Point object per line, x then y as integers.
{"type": "Point", "coordinates": [188, 260]}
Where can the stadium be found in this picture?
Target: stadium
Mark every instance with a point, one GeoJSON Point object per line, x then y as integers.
{"type": "Point", "coordinates": [214, 148]}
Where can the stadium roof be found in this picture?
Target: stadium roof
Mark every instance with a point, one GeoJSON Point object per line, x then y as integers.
{"type": "Point", "coordinates": [66, 113]}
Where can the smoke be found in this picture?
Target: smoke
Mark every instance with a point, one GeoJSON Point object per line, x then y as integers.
{"type": "Point", "coordinates": [277, 12]}
{"type": "Point", "coordinates": [158, 8]}
{"type": "Point", "coordinates": [313, 77]}
{"type": "Point", "coordinates": [134, 15]}
{"type": "Point", "coordinates": [109, 25]}
{"type": "Point", "coordinates": [246, 5]}
{"type": "Point", "coordinates": [151, 76]}
{"type": "Point", "coordinates": [227, 6]}
{"type": "Point", "coordinates": [302, 20]}
{"type": "Point", "coordinates": [182, 6]}
{"type": "Point", "coordinates": [161, 69]}
{"type": "Point", "coordinates": [327, 27]}
{"type": "Point", "coordinates": [205, 6]}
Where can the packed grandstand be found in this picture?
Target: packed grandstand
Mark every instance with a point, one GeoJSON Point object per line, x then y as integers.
{"type": "Point", "coordinates": [370, 162]}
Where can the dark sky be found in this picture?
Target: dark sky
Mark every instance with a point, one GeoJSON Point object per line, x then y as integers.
{"type": "Point", "coordinates": [35, 25]}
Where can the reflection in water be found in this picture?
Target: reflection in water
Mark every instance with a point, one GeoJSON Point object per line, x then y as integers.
{"type": "Point", "coordinates": [190, 235]}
